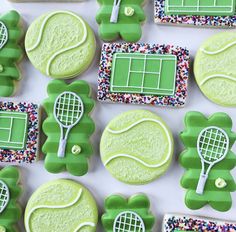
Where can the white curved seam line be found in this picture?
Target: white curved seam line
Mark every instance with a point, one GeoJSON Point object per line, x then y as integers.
{"type": "Point", "coordinates": [137, 159]}
{"type": "Point", "coordinates": [51, 207]}
{"type": "Point", "coordinates": [84, 224]}
{"type": "Point", "coordinates": [217, 75]}
{"type": "Point", "coordinates": [218, 51]}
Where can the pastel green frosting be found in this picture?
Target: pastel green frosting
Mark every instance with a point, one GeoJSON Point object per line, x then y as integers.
{"type": "Point", "coordinates": [62, 32]}
{"type": "Point", "coordinates": [144, 144]}
{"type": "Point", "coordinates": [216, 73]}
{"type": "Point", "coordinates": [41, 213]}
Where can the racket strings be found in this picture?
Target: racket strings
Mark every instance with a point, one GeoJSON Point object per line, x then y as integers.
{"type": "Point", "coordinates": [129, 222]}
{"type": "Point", "coordinates": [4, 196]}
{"type": "Point", "coordinates": [3, 34]}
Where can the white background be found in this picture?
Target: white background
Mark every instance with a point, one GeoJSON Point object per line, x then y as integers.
{"type": "Point", "coordinates": [166, 194]}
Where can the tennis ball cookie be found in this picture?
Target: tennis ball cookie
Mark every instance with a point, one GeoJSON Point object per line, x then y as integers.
{"type": "Point", "coordinates": [215, 68]}
{"type": "Point", "coordinates": [61, 205]}
{"type": "Point", "coordinates": [60, 44]}
{"type": "Point", "coordinates": [137, 147]}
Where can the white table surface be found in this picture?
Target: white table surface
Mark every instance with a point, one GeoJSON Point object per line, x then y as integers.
{"type": "Point", "coordinates": [166, 194]}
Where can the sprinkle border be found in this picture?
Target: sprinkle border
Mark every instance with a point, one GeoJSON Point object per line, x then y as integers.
{"type": "Point", "coordinates": [207, 21]}
{"type": "Point", "coordinates": [29, 155]}
{"type": "Point", "coordinates": [177, 100]}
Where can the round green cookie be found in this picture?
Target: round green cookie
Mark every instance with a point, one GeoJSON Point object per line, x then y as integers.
{"type": "Point", "coordinates": [215, 68]}
{"type": "Point", "coordinates": [60, 44]}
{"type": "Point", "coordinates": [61, 205]}
{"type": "Point", "coordinates": [137, 147]}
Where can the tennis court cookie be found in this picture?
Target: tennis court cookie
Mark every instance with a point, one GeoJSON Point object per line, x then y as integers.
{"type": "Point", "coordinates": [179, 222]}
{"type": "Point", "coordinates": [132, 214]}
{"type": "Point", "coordinates": [60, 44]}
{"type": "Point", "coordinates": [19, 132]}
{"type": "Point", "coordinates": [208, 13]}
{"type": "Point", "coordinates": [61, 205]}
{"type": "Point", "coordinates": [10, 52]}
{"type": "Point", "coordinates": [208, 160]}
{"type": "Point", "coordinates": [215, 68]}
{"type": "Point", "coordinates": [137, 147]}
{"type": "Point", "coordinates": [119, 18]}
{"type": "Point", "coordinates": [68, 127]}
{"type": "Point", "coordinates": [143, 74]}
{"type": "Point", "coordinates": [10, 191]}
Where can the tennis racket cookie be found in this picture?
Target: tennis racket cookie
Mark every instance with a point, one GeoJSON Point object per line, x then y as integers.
{"type": "Point", "coordinates": [60, 44]}
{"type": "Point", "coordinates": [10, 191]}
{"type": "Point", "coordinates": [143, 74]}
{"type": "Point", "coordinates": [19, 132]}
{"type": "Point", "coordinates": [215, 69]}
{"type": "Point", "coordinates": [61, 205]}
{"type": "Point", "coordinates": [126, 215]}
{"type": "Point", "coordinates": [68, 127]}
{"type": "Point", "coordinates": [209, 13]}
{"type": "Point", "coordinates": [208, 159]}
{"type": "Point", "coordinates": [137, 147]}
{"type": "Point", "coordinates": [10, 52]}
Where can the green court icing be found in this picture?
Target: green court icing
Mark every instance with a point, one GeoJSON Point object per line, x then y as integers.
{"type": "Point", "coordinates": [143, 73]}
{"type": "Point", "coordinates": [200, 7]}
{"type": "Point", "coordinates": [13, 130]}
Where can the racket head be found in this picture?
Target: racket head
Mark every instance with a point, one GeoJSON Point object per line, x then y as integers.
{"type": "Point", "coordinates": [4, 196]}
{"type": "Point", "coordinates": [68, 109]}
{"type": "Point", "coordinates": [3, 34]}
{"type": "Point", "coordinates": [212, 144]}
{"type": "Point", "coordinates": [128, 221]}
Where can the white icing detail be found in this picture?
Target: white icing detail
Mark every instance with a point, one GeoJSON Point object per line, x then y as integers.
{"type": "Point", "coordinates": [115, 11]}
{"type": "Point", "coordinates": [216, 76]}
{"type": "Point", "coordinates": [4, 196]}
{"type": "Point", "coordinates": [212, 147]}
{"type": "Point", "coordinates": [135, 158]}
{"type": "Point", "coordinates": [68, 111]}
{"type": "Point", "coordinates": [64, 49]}
{"type": "Point", "coordinates": [3, 35]}
{"type": "Point", "coordinates": [218, 51]}
{"type": "Point", "coordinates": [128, 219]}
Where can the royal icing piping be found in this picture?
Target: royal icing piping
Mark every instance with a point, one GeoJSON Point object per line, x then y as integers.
{"type": "Point", "coordinates": [115, 11]}
{"type": "Point", "coordinates": [135, 158]}
{"type": "Point", "coordinates": [3, 35]}
{"type": "Point", "coordinates": [216, 76]}
{"type": "Point", "coordinates": [218, 51]}
{"type": "Point", "coordinates": [64, 49]}
{"type": "Point", "coordinates": [4, 196]}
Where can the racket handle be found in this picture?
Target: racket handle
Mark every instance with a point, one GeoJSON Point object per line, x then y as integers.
{"type": "Point", "coordinates": [201, 184]}
{"type": "Point", "coordinates": [115, 14]}
{"type": "Point", "coordinates": [62, 148]}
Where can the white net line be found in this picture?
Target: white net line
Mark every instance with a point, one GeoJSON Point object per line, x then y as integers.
{"type": "Point", "coordinates": [68, 109]}
{"type": "Point", "coordinates": [4, 195]}
{"type": "Point", "coordinates": [129, 222]}
{"type": "Point", "coordinates": [212, 144]}
{"type": "Point", "coordinates": [3, 34]}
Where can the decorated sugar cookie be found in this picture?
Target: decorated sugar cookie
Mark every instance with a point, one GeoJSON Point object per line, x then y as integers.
{"type": "Point", "coordinates": [10, 211]}
{"type": "Point", "coordinates": [136, 147]}
{"type": "Point", "coordinates": [61, 205]}
{"type": "Point", "coordinates": [120, 18]}
{"type": "Point", "coordinates": [143, 74]}
{"type": "Point", "coordinates": [19, 132]}
{"type": "Point", "coordinates": [215, 68]}
{"type": "Point", "coordinates": [208, 160]}
{"type": "Point", "coordinates": [127, 214]}
{"type": "Point", "coordinates": [68, 127]}
{"type": "Point", "coordinates": [178, 222]}
{"type": "Point", "coordinates": [60, 44]}
{"type": "Point", "coordinates": [10, 52]}
{"type": "Point", "coordinates": [208, 13]}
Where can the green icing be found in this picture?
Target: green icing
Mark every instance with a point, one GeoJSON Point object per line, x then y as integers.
{"type": "Point", "coordinates": [10, 53]}
{"type": "Point", "coordinates": [60, 44]}
{"type": "Point", "coordinates": [61, 205]}
{"type": "Point", "coordinates": [219, 199]}
{"type": "Point", "coordinates": [215, 68]}
{"type": "Point", "coordinates": [116, 205]}
{"type": "Point", "coordinates": [126, 27]}
{"type": "Point", "coordinates": [13, 130]}
{"type": "Point", "coordinates": [79, 135]}
{"type": "Point", "coordinates": [202, 7]}
{"type": "Point", "coordinates": [143, 73]}
{"type": "Point", "coordinates": [1, 68]}
{"type": "Point", "coordinates": [12, 213]}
